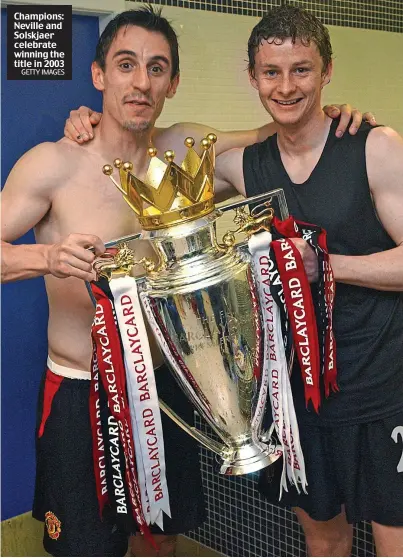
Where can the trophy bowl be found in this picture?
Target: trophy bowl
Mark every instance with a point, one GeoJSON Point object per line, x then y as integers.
{"type": "Point", "coordinates": [201, 303]}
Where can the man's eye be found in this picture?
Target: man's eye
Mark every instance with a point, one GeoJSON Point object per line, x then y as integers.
{"type": "Point", "coordinates": [301, 70]}
{"type": "Point", "coordinates": [271, 73]}
{"type": "Point", "coordinates": [156, 69]}
{"type": "Point", "coordinates": [125, 65]}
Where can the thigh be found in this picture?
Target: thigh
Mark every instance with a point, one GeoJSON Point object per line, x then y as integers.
{"type": "Point", "coordinates": [65, 493]}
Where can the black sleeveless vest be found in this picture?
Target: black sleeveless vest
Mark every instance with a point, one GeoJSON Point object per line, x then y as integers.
{"type": "Point", "coordinates": [368, 323]}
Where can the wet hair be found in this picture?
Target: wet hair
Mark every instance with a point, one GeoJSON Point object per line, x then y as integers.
{"type": "Point", "coordinates": [145, 17]}
{"type": "Point", "coordinates": [290, 22]}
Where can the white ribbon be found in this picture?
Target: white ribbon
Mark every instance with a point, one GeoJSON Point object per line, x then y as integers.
{"type": "Point", "coordinates": [145, 501]}
{"type": "Point", "coordinates": [143, 401]}
{"type": "Point", "coordinates": [275, 369]}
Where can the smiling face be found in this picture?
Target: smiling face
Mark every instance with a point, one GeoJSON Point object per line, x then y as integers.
{"type": "Point", "coordinates": [289, 78]}
{"type": "Point", "coordinates": [137, 77]}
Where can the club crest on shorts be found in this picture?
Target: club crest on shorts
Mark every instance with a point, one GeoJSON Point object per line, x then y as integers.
{"type": "Point", "coordinates": [53, 525]}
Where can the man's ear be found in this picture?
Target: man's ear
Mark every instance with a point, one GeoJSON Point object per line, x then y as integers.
{"type": "Point", "coordinates": [252, 79]}
{"type": "Point", "coordinates": [173, 87]}
{"type": "Point", "coordinates": [97, 77]}
{"type": "Point", "coordinates": [327, 75]}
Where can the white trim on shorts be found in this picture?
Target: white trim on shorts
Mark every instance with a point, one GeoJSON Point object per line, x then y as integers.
{"type": "Point", "coordinates": [66, 372]}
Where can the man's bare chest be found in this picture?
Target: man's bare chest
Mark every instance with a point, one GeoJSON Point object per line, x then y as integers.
{"type": "Point", "coordinates": [89, 203]}
{"type": "Point", "coordinates": [301, 166]}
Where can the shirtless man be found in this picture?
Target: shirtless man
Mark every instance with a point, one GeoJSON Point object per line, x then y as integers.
{"type": "Point", "coordinates": [73, 206]}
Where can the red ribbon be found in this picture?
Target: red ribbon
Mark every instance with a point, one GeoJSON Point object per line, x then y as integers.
{"type": "Point", "coordinates": [330, 373]}
{"type": "Point", "coordinates": [301, 312]}
{"type": "Point", "coordinates": [98, 442]}
{"type": "Point", "coordinates": [113, 377]}
{"type": "Point", "coordinates": [292, 228]}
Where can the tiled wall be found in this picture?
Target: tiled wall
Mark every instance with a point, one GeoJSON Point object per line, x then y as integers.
{"type": "Point", "coordinates": [214, 89]}
{"type": "Point", "coordinates": [386, 15]}
{"type": "Point", "coordinates": [240, 522]}
{"type": "Point", "coordinates": [367, 42]}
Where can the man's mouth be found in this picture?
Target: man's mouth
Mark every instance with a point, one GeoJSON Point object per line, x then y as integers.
{"type": "Point", "coordinates": [287, 103]}
{"type": "Point", "coordinates": [137, 103]}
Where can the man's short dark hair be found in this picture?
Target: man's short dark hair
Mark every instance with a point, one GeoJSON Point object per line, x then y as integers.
{"type": "Point", "coordinates": [290, 22]}
{"type": "Point", "coordinates": [147, 18]}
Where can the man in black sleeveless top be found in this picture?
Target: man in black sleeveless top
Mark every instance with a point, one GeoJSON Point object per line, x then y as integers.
{"type": "Point", "coordinates": [353, 188]}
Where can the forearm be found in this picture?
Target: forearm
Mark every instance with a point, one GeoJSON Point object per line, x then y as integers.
{"type": "Point", "coordinates": [382, 271]}
{"type": "Point", "coordinates": [223, 191]}
{"type": "Point", "coordinates": [23, 261]}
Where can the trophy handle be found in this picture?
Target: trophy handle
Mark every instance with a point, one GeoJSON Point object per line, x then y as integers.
{"type": "Point", "coordinates": [216, 447]}
{"type": "Point", "coordinates": [127, 238]}
{"type": "Point", "coordinates": [258, 219]}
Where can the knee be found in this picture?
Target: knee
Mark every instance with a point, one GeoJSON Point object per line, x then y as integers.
{"type": "Point", "coordinates": [168, 546]}
{"type": "Point", "coordinates": [139, 546]}
{"type": "Point", "coordinates": [329, 545]}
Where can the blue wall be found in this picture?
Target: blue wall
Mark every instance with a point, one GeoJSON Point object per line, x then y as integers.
{"type": "Point", "coordinates": [32, 112]}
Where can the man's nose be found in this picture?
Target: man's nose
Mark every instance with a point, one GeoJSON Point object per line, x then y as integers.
{"type": "Point", "coordinates": [142, 79]}
{"type": "Point", "coordinates": [286, 85]}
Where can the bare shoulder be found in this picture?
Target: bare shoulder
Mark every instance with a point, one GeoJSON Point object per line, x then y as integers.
{"type": "Point", "coordinates": [384, 155]}
{"type": "Point", "coordinates": [38, 154]}
{"type": "Point", "coordinates": [47, 157]}
{"type": "Point", "coordinates": [382, 139]}
{"type": "Point", "coordinates": [40, 170]}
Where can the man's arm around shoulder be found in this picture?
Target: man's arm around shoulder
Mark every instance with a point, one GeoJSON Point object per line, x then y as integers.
{"type": "Point", "coordinates": [229, 179]}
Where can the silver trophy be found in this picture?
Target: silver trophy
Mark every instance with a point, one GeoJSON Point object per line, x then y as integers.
{"type": "Point", "coordinates": [200, 299]}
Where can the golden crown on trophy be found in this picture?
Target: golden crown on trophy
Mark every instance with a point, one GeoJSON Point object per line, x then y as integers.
{"type": "Point", "coordinates": [170, 194]}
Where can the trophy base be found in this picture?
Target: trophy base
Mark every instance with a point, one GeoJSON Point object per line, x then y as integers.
{"type": "Point", "coordinates": [244, 463]}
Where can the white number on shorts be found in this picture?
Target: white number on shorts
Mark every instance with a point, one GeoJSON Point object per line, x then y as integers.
{"type": "Point", "coordinates": [398, 431]}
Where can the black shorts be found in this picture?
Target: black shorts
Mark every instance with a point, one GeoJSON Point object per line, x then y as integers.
{"type": "Point", "coordinates": [65, 492]}
{"type": "Point", "coordinates": [360, 466]}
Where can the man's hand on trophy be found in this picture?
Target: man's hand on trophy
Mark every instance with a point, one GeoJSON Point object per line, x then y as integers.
{"type": "Point", "coordinates": [79, 126]}
{"type": "Point", "coordinates": [71, 257]}
{"type": "Point", "coordinates": [308, 257]}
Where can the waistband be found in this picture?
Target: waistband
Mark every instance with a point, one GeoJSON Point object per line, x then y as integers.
{"type": "Point", "coordinates": [66, 372]}
{"type": "Point", "coordinates": [74, 373]}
